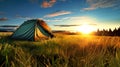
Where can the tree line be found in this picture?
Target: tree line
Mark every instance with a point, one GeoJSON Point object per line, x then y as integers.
{"type": "Point", "coordinates": [109, 32]}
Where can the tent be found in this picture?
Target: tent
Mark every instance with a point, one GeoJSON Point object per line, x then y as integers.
{"type": "Point", "coordinates": [33, 30]}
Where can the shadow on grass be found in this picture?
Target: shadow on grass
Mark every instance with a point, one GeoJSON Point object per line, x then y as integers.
{"type": "Point", "coordinates": [5, 39]}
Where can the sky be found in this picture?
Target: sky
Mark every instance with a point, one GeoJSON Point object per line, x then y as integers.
{"type": "Point", "coordinates": [62, 14]}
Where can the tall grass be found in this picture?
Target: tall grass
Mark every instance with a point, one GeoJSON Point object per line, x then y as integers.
{"type": "Point", "coordinates": [61, 51]}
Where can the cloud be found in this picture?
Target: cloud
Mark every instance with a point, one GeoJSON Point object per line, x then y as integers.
{"type": "Point", "coordinates": [78, 20]}
{"type": "Point", "coordinates": [81, 19]}
{"type": "Point", "coordinates": [23, 17]}
{"type": "Point", "coordinates": [74, 25]}
{"type": "Point", "coordinates": [57, 14]}
{"type": "Point", "coordinates": [46, 4]}
{"type": "Point", "coordinates": [27, 17]}
{"type": "Point", "coordinates": [54, 20]}
{"type": "Point", "coordinates": [95, 4]}
{"type": "Point", "coordinates": [66, 25]}
{"type": "Point", "coordinates": [9, 26]}
{"type": "Point", "coordinates": [6, 28]}
{"type": "Point", "coordinates": [3, 19]}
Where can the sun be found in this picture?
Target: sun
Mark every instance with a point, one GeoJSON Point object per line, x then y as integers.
{"type": "Point", "coordinates": [85, 29]}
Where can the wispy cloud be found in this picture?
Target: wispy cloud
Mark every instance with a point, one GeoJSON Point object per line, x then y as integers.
{"type": "Point", "coordinates": [57, 14]}
{"type": "Point", "coordinates": [23, 17]}
{"type": "Point", "coordinates": [3, 19]}
{"type": "Point", "coordinates": [73, 25]}
{"type": "Point", "coordinates": [6, 28]}
{"type": "Point", "coordinates": [53, 20]}
{"type": "Point", "coordinates": [66, 25]}
{"type": "Point", "coordinates": [95, 4]}
{"type": "Point", "coordinates": [81, 20]}
{"type": "Point", "coordinates": [46, 4]}
{"type": "Point", "coordinates": [76, 20]}
{"type": "Point", "coordinates": [9, 26]}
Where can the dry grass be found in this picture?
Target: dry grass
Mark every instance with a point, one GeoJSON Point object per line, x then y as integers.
{"type": "Point", "coordinates": [62, 51]}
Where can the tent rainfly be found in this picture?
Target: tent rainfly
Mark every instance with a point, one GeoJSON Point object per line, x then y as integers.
{"type": "Point", "coordinates": [33, 30]}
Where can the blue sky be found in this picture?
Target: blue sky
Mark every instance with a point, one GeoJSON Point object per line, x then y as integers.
{"type": "Point", "coordinates": [100, 13]}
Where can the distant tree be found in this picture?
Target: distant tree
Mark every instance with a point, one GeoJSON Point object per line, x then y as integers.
{"type": "Point", "coordinates": [115, 32]}
{"type": "Point", "coordinates": [104, 32]}
{"type": "Point", "coordinates": [98, 32]}
{"type": "Point", "coordinates": [118, 31]}
{"type": "Point", "coordinates": [110, 32]}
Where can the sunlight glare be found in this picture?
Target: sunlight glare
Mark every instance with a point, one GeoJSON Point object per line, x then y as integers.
{"type": "Point", "coordinates": [86, 29]}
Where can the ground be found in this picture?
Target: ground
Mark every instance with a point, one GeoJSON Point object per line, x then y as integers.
{"type": "Point", "coordinates": [61, 51]}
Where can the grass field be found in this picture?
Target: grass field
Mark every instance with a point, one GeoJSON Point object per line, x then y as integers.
{"type": "Point", "coordinates": [61, 51]}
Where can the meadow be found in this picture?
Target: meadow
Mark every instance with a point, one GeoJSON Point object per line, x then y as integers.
{"type": "Point", "coordinates": [61, 51]}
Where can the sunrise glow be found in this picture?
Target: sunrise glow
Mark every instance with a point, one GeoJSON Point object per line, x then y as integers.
{"type": "Point", "coordinates": [86, 29]}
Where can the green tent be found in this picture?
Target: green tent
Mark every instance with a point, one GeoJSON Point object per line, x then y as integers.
{"type": "Point", "coordinates": [32, 30]}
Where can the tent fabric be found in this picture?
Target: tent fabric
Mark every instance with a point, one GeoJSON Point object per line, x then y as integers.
{"type": "Point", "coordinates": [33, 30]}
{"type": "Point", "coordinates": [44, 25]}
